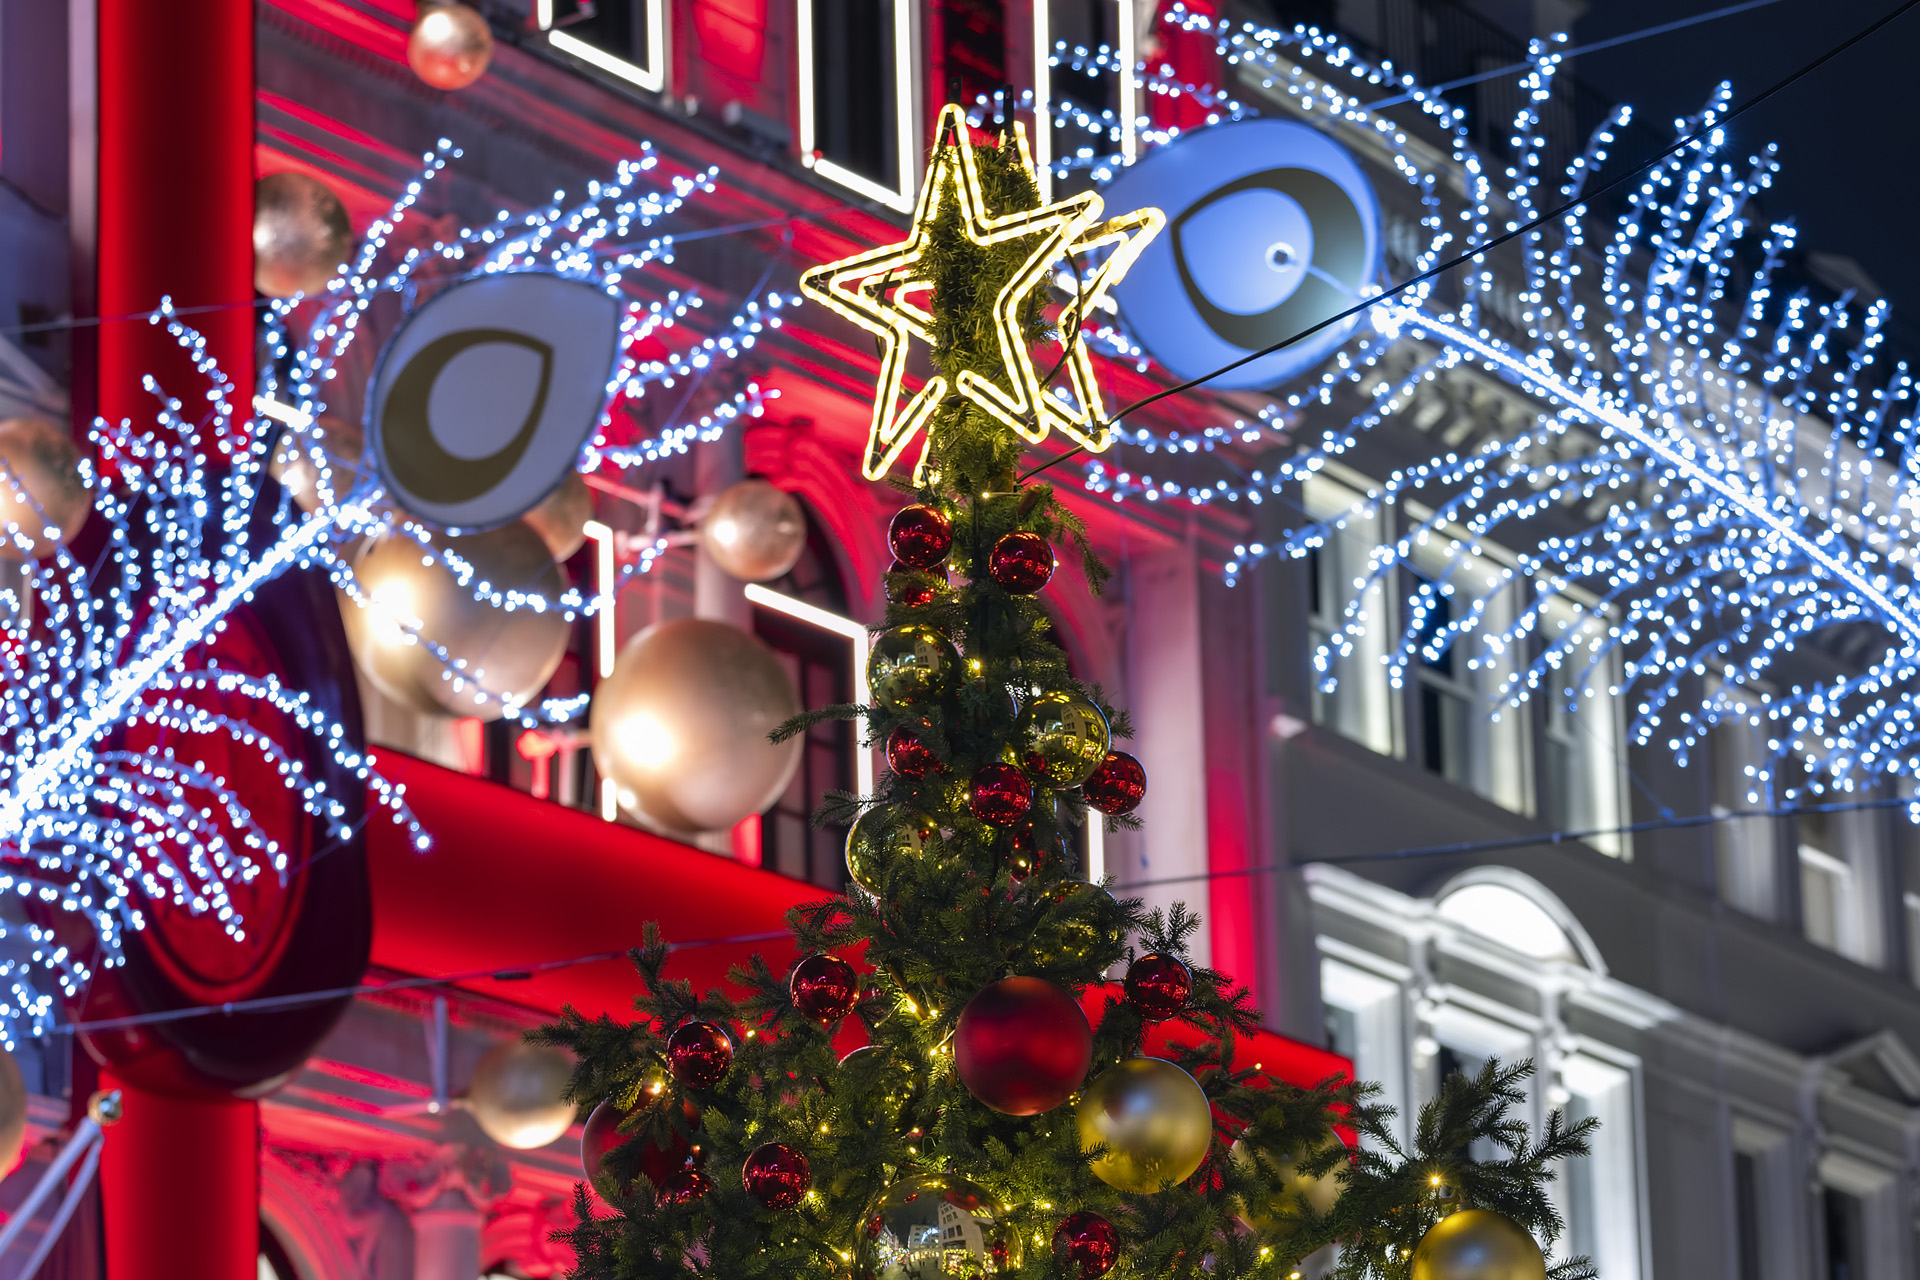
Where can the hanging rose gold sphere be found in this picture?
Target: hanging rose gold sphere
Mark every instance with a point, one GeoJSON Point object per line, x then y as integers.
{"type": "Point", "coordinates": [450, 45]}
{"type": "Point", "coordinates": [41, 489]}
{"type": "Point", "coordinates": [300, 235]}
{"type": "Point", "coordinates": [754, 532]}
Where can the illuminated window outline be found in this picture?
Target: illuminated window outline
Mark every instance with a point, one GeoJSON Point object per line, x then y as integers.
{"type": "Point", "coordinates": [1043, 90]}
{"type": "Point", "coordinates": [652, 77]}
{"type": "Point", "coordinates": [906, 131]}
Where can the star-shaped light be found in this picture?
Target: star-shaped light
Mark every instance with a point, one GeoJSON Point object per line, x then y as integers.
{"type": "Point", "coordinates": [880, 290]}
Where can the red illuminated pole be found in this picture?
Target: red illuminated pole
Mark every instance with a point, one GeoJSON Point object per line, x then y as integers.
{"type": "Point", "coordinates": [179, 1177]}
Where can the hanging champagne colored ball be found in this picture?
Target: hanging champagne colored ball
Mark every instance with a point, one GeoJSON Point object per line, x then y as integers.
{"type": "Point", "coordinates": [1021, 563]}
{"type": "Point", "coordinates": [910, 587]}
{"type": "Point", "coordinates": [42, 492]}
{"type": "Point", "coordinates": [301, 235]}
{"type": "Point", "coordinates": [685, 1187]}
{"type": "Point", "coordinates": [776, 1175]}
{"type": "Point", "coordinates": [1022, 1046]}
{"type": "Point", "coordinates": [1066, 737]}
{"type": "Point", "coordinates": [562, 516]}
{"type": "Point", "coordinates": [1477, 1244]}
{"type": "Point", "coordinates": [1153, 1119]}
{"type": "Point", "coordinates": [410, 594]}
{"type": "Point", "coordinates": [699, 1054]}
{"type": "Point", "coordinates": [1117, 786]}
{"type": "Point", "coordinates": [938, 1224]}
{"type": "Point", "coordinates": [912, 665]}
{"type": "Point", "coordinates": [1086, 1243]}
{"type": "Point", "coordinates": [824, 987]}
{"type": "Point", "coordinates": [658, 1163]}
{"type": "Point", "coordinates": [1000, 795]}
{"type": "Point", "coordinates": [882, 835]}
{"type": "Point", "coordinates": [754, 531]}
{"type": "Point", "coordinates": [518, 1094]}
{"type": "Point", "coordinates": [908, 756]}
{"type": "Point", "coordinates": [1281, 1216]}
{"type": "Point", "coordinates": [681, 725]}
{"type": "Point", "coordinates": [1159, 985]}
{"type": "Point", "coordinates": [450, 45]}
{"type": "Point", "coordinates": [919, 536]}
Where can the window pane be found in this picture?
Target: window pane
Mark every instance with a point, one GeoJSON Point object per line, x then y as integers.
{"type": "Point", "coordinates": [1846, 1245]}
{"type": "Point", "coordinates": [617, 27]}
{"type": "Point", "coordinates": [853, 87]}
{"type": "Point", "coordinates": [1746, 1215]}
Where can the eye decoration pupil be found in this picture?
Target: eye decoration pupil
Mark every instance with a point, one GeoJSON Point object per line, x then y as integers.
{"type": "Point", "coordinates": [1280, 255]}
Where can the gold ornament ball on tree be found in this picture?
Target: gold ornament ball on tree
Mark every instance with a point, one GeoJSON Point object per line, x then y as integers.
{"type": "Point", "coordinates": [412, 594]}
{"type": "Point", "coordinates": [754, 531]}
{"type": "Point", "coordinates": [450, 45]}
{"type": "Point", "coordinates": [1153, 1119]}
{"type": "Point", "coordinates": [681, 725]}
{"type": "Point", "coordinates": [1066, 738]}
{"type": "Point", "coordinates": [518, 1094]}
{"type": "Point", "coordinates": [912, 665]}
{"type": "Point", "coordinates": [1280, 1216]}
{"type": "Point", "coordinates": [41, 488]}
{"type": "Point", "coordinates": [561, 518]}
{"type": "Point", "coordinates": [938, 1224]}
{"type": "Point", "coordinates": [1478, 1244]}
{"type": "Point", "coordinates": [300, 235]}
{"type": "Point", "coordinates": [882, 835]}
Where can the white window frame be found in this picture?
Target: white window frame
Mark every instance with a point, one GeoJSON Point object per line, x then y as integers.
{"type": "Point", "coordinates": [1855, 867]}
{"type": "Point", "coordinates": [1746, 855]}
{"type": "Point", "coordinates": [1595, 731]}
{"type": "Point", "coordinates": [1377, 1005]}
{"type": "Point", "coordinates": [1128, 108]}
{"type": "Point", "coordinates": [1877, 1190]}
{"type": "Point", "coordinates": [1612, 1238]}
{"type": "Point", "coordinates": [1777, 1192]}
{"type": "Point", "coordinates": [906, 128]}
{"type": "Point", "coordinates": [652, 77]}
{"type": "Point", "coordinates": [1362, 706]}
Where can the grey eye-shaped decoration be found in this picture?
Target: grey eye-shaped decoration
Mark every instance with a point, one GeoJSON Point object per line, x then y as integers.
{"type": "Point", "coordinates": [1272, 228]}
{"type": "Point", "coordinates": [484, 397]}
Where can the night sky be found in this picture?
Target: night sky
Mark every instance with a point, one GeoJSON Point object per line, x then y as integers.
{"type": "Point", "coordinates": [1849, 133]}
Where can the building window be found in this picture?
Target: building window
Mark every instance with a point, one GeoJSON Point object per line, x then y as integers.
{"type": "Point", "coordinates": [1746, 1215]}
{"type": "Point", "coordinates": [1744, 848]}
{"type": "Point", "coordinates": [1083, 86]}
{"type": "Point", "coordinates": [1844, 1218]}
{"type": "Point", "coordinates": [624, 38]}
{"type": "Point", "coordinates": [856, 96]}
{"type": "Point", "coordinates": [1350, 693]}
{"type": "Point", "coordinates": [1364, 1024]}
{"type": "Point", "coordinates": [1601, 1194]}
{"type": "Point", "coordinates": [1583, 756]}
{"type": "Point", "coordinates": [1838, 861]}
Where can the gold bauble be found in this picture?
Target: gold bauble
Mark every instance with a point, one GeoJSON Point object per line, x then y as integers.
{"type": "Point", "coordinates": [1478, 1244]}
{"type": "Point", "coordinates": [41, 489]}
{"type": "Point", "coordinates": [754, 531]}
{"type": "Point", "coordinates": [518, 1094]}
{"type": "Point", "coordinates": [882, 835]}
{"type": "Point", "coordinates": [1066, 738]}
{"type": "Point", "coordinates": [681, 725]}
{"type": "Point", "coordinates": [13, 1115]}
{"type": "Point", "coordinates": [300, 235]}
{"type": "Point", "coordinates": [561, 518]}
{"type": "Point", "coordinates": [510, 654]}
{"type": "Point", "coordinates": [938, 1224]}
{"type": "Point", "coordinates": [1152, 1117]}
{"type": "Point", "coordinates": [340, 444]}
{"type": "Point", "coordinates": [1280, 1217]}
{"type": "Point", "coordinates": [450, 45]}
{"type": "Point", "coordinates": [911, 665]}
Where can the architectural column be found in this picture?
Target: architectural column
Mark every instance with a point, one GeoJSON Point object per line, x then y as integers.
{"type": "Point", "coordinates": [447, 1195]}
{"type": "Point", "coordinates": [180, 1187]}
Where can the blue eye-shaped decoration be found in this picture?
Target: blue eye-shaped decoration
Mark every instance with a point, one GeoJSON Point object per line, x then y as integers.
{"type": "Point", "coordinates": [1272, 228]}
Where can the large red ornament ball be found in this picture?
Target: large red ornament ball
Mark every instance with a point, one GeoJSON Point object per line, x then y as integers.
{"type": "Point", "coordinates": [776, 1175]}
{"type": "Point", "coordinates": [920, 537]}
{"type": "Point", "coordinates": [1117, 786]}
{"type": "Point", "coordinates": [824, 987]}
{"type": "Point", "coordinates": [1159, 985]}
{"type": "Point", "coordinates": [1000, 795]}
{"type": "Point", "coordinates": [1022, 1046]}
{"type": "Point", "coordinates": [658, 1163]}
{"type": "Point", "coordinates": [450, 45]}
{"type": "Point", "coordinates": [1021, 562]}
{"type": "Point", "coordinates": [685, 1187]}
{"type": "Point", "coordinates": [910, 588]}
{"type": "Point", "coordinates": [909, 757]}
{"type": "Point", "coordinates": [699, 1054]}
{"type": "Point", "coordinates": [1086, 1242]}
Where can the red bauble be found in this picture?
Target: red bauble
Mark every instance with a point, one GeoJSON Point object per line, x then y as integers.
{"type": "Point", "coordinates": [685, 1187]}
{"type": "Point", "coordinates": [1028, 851]}
{"type": "Point", "coordinates": [1159, 985]}
{"type": "Point", "coordinates": [699, 1053]}
{"type": "Point", "coordinates": [909, 587]}
{"type": "Point", "coordinates": [909, 757]}
{"type": "Point", "coordinates": [1087, 1243]}
{"type": "Point", "coordinates": [1022, 1046]}
{"type": "Point", "coordinates": [776, 1175]}
{"type": "Point", "coordinates": [824, 987]}
{"type": "Point", "coordinates": [1021, 562]}
{"type": "Point", "coordinates": [920, 537]}
{"type": "Point", "coordinates": [1116, 785]}
{"type": "Point", "coordinates": [658, 1163]}
{"type": "Point", "coordinates": [1000, 795]}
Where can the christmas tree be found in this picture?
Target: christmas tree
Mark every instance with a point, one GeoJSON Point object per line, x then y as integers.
{"type": "Point", "coordinates": [989, 1127]}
